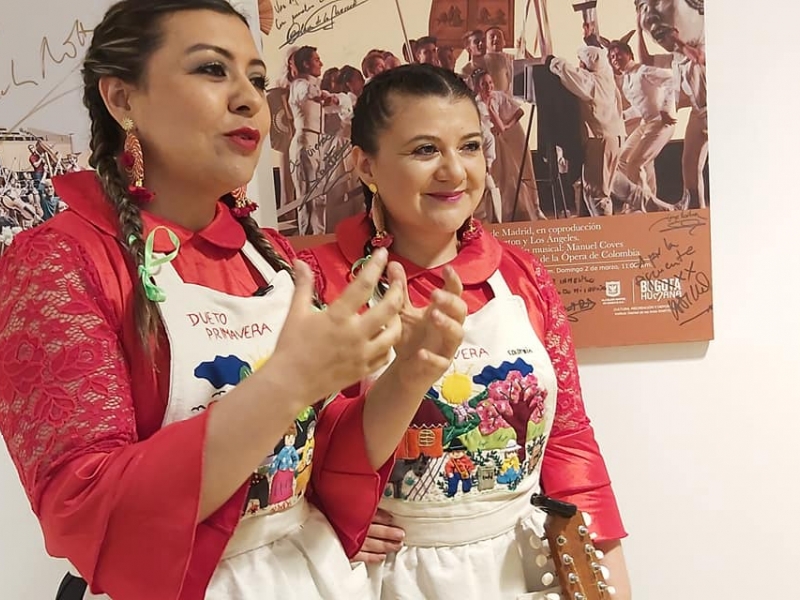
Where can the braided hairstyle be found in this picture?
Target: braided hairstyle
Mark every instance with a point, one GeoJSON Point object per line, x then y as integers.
{"type": "Point", "coordinates": [121, 46]}
{"type": "Point", "coordinates": [375, 107]}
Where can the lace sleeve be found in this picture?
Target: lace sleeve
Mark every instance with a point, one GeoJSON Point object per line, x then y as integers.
{"type": "Point", "coordinates": [67, 416]}
{"type": "Point", "coordinates": [573, 469]}
{"type": "Point", "coordinates": [570, 412]}
{"type": "Point", "coordinates": [63, 388]}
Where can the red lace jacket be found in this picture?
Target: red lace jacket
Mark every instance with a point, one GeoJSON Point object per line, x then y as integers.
{"type": "Point", "coordinates": [572, 468]}
{"type": "Point", "coordinates": [81, 407]}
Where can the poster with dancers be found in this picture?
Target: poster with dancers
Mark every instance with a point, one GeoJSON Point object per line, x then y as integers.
{"type": "Point", "coordinates": [597, 110]}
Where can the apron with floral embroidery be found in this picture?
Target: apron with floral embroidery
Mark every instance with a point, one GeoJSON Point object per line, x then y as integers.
{"type": "Point", "coordinates": [282, 547]}
{"type": "Point", "coordinates": [468, 464]}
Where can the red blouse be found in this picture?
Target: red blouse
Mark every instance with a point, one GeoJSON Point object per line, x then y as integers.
{"type": "Point", "coordinates": [573, 468]}
{"type": "Point", "coordinates": [81, 407]}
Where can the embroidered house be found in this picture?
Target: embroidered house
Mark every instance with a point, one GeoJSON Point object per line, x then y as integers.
{"type": "Point", "coordinates": [422, 440]}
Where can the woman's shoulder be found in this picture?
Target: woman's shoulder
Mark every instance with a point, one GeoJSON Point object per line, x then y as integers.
{"type": "Point", "coordinates": [66, 237]}
{"type": "Point", "coordinates": [69, 257]}
{"type": "Point", "coordinates": [330, 267]}
{"type": "Point", "coordinates": [528, 267]}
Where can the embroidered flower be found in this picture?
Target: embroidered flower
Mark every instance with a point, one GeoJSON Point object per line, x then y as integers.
{"type": "Point", "coordinates": [516, 389]}
{"type": "Point", "coordinates": [491, 419]}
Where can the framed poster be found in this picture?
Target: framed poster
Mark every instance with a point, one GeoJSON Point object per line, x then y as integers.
{"type": "Point", "coordinates": [610, 190]}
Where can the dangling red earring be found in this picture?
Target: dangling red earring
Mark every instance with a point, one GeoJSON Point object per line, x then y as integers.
{"type": "Point", "coordinates": [471, 231]}
{"type": "Point", "coordinates": [382, 238]}
{"type": "Point", "coordinates": [243, 206]}
{"type": "Point", "coordinates": [133, 163]}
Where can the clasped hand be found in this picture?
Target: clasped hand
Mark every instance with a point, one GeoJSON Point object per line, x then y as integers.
{"type": "Point", "coordinates": [327, 351]}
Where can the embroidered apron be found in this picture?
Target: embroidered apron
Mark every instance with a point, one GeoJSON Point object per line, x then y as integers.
{"type": "Point", "coordinates": [468, 465]}
{"type": "Point", "coordinates": [283, 547]}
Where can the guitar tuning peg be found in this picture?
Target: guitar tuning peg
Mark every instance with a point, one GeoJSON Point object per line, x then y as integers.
{"type": "Point", "coordinates": [593, 536]}
{"type": "Point", "coordinates": [541, 560]}
{"type": "Point", "coordinates": [605, 572]}
{"type": "Point", "coordinates": [587, 518]}
{"type": "Point", "coordinates": [561, 540]}
{"type": "Point", "coordinates": [552, 596]}
{"type": "Point", "coordinates": [548, 579]}
{"type": "Point", "coordinates": [579, 596]}
{"type": "Point", "coordinates": [611, 590]}
{"type": "Point", "coordinates": [566, 559]}
{"type": "Point", "coordinates": [573, 579]}
{"type": "Point", "coordinates": [599, 554]}
{"type": "Point", "coordinates": [536, 542]}
{"type": "Point", "coordinates": [582, 530]}
{"type": "Point", "coordinates": [588, 548]}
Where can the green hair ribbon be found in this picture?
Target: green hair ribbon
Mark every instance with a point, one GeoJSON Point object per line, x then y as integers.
{"type": "Point", "coordinates": [152, 262]}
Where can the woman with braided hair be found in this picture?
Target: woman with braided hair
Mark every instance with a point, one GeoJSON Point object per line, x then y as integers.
{"type": "Point", "coordinates": [156, 345]}
{"type": "Point", "coordinates": [507, 419]}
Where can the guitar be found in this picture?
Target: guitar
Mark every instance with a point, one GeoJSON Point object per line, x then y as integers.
{"type": "Point", "coordinates": [576, 560]}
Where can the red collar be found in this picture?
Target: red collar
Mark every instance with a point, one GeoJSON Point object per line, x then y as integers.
{"type": "Point", "coordinates": [84, 194]}
{"type": "Point", "coordinates": [474, 263]}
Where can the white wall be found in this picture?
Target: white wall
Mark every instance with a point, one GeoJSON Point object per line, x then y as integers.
{"type": "Point", "coordinates": [701, 440]}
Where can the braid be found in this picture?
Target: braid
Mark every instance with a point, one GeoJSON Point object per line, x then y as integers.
{"type": "Point", "coordinates": [105, 144]}
{"type": "Point", "coordinates": [256, 237]}
{"type": "Point", "coordinates": [122, 44]}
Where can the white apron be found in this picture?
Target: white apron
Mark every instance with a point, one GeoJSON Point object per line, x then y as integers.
{"type": "Point", "coordinates": [283, 547]}
{"type": "Point", "coordinates": [468, 465]}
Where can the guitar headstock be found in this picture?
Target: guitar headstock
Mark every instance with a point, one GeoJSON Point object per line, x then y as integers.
{"type": "Point", "coordinates": [576, 560]}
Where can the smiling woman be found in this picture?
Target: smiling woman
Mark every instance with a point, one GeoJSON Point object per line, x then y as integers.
{"type": "Point", "coordinates": [507, 419]}
{"type": "Point", "coordinates": [162, 407]}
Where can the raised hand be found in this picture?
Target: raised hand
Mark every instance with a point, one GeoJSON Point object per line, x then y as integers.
{"type": "Point", "coordinates": [431, 335]}
{"type": "Point", "coordinates": [333, 349]}
{"type": "Point", "coordinates": [424, 351]}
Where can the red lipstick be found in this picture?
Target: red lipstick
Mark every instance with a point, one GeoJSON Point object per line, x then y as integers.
{"type": "Point", "coordinates": [245, 138]}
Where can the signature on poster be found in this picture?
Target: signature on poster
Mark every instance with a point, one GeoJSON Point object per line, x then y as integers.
{"type": "Point", "coordinates": [684, 307]}
{"type": "Point", "coordinates": [330, 172]}
{"type": "Point", "coordinates": [311, 17]}
{"type": "Point", "coordinates": [50, 54]}
{"type": "Point", "coordinates": [663, 259]}
{"type": "Point", "coordinates": [686, 219]}
{"type": "Point", "coordinates": [576, 307]}
{"type": "Point", "coordinates": [672, 274]}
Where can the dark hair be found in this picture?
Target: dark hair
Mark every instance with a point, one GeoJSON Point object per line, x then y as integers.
{"type": "Point", "coordinates": [375, 107]}
{"type": "Point", "coordinates": [409, 56]}
{"type": "Point", "coordinates": [470, 34]}
{"type": "Point", "coordinates": [301, 56]}
{"type": "Point", "coordinates": [369, 60]}
{"type": "Point", "coordinates": [346, 75]}
{"type": "Point", "coordinates": [330, 80]}
{"type": "Point", "coordinates": [121, 46]}
{"type": "Point", "coordinates": [426, 39]}
{"type": "Point", "coordinates": [620, 45]}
